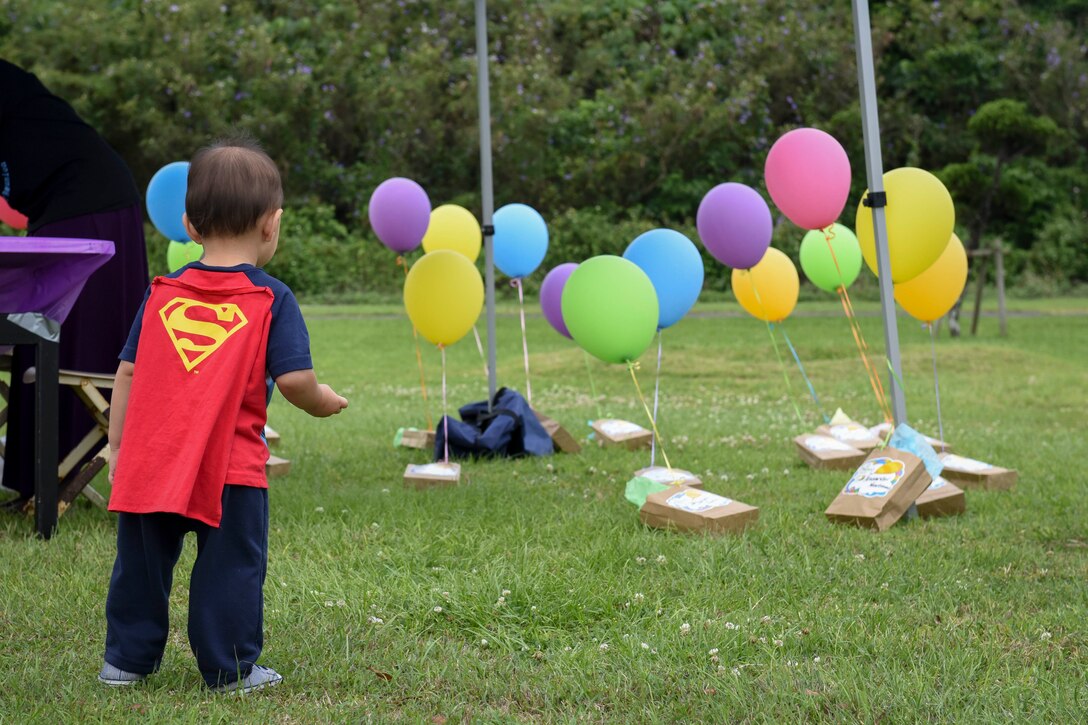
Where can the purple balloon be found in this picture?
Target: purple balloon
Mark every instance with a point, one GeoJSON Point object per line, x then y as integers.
{"type": "Point", "coordinates": [399, 213]}
{"type": "Point", "coordinates": [734, 223]}
{"type": "Point", "coordinates": [551, 296]}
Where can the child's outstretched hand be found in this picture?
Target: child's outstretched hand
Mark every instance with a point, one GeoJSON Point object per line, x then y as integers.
{"type": "Point", "coordinates": [332, 402]}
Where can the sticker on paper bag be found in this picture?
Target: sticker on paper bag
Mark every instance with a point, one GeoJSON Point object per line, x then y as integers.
{"type": "Point", "coordinates": [445, 470]}
{"type": "Point", "coordinates": [821, 444]}
{"type": "Point", "coordinates": [876, 477]}
{"type": "Point", "coordinates": [696, 501]}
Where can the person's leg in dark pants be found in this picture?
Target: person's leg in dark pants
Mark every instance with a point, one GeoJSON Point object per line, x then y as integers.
{"type": "Point", "coordinates": [226, 592]}
{"type": "Point", "coordinates": [137, 607]}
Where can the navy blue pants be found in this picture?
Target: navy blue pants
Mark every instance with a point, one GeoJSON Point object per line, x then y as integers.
{"type": "Point", "coordinates": [226, 589]}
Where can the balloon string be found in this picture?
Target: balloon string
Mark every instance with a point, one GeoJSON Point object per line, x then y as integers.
{"type": "Point", "coordinates": [855, 328]}
{"type": "Point", "coordinates": [811, 389]}
{"type": "Point", "coordinates": [445, 412]}
{"type": "Point", "coordinates": [403, 263]}
{"type": "Point", "coordinates": [774, 344]}
{"type": "Point", "coordinates": [592, 386]}
{"type": "Point", "coordinates": [936, 382]}
{"type": "Point", "coordinates": [653, 424]}
{"type": "Point", "coordinates": [516, 282]}
{"type": "Point", "coordinates": [480, 349]}
{"type": "Point", "coordinates": [657, 386]}
{"type": "Point", "coordinates": [859, 339]}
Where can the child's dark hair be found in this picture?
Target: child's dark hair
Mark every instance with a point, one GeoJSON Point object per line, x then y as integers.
{"type": "Point", "coordinates": [232, 184]}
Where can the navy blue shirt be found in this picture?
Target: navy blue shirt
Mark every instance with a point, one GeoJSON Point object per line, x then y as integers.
{"type": "Point", "coordinates": [288, 339]}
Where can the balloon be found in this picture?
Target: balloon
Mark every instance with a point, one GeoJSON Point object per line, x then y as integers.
{"type": "Point", "coordinates": [675, 268]}
{"type": "Point", "coordinates": [551, 296]}
{"type": "Point", "coordinates": [920, 218]}
{"type": "Point", "coordinates": [929, 296]}
{"type": "Point", "coordinates": [399, 212]}
{"type": "Point", "coordinates": [179, 254]}
{"type": "Point", "coordinates": [521, 240]}
{"type": "Point", "coordinates": [166, 200]}
{"type": "Point", "coordinates": [9, 216]}
{"type": "Point", "coordinates": [610, 308]}
{"type": "Point", "coordinates": [735, 224]}
{"type": "Point", "coordinates": [831, 263]}
{"type": "Point", "coordinates": [808, 177]}
{"type": "Point", "coordinates": [443, 295]}
{"type": "Point", "coordinates": [455, 228]}
{"type": "Point", "coordinates": [768, 291]}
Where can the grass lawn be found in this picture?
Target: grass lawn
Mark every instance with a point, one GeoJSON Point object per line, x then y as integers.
{"type": "Point", "coordinates": [532, 593]}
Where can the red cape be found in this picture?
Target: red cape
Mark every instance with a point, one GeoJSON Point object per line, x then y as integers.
{"type": "Point", "coordinates": [201, 354]}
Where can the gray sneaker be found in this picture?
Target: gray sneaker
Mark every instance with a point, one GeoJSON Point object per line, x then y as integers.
{"type": "Point", "coordinates": [116, 677]}
{"type": "Point", "coordinates": [258, 678]}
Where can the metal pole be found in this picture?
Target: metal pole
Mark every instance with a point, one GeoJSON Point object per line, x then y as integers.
{"type": "Point", "coordinates": [874, 167]}
{"type": "Point", "coordinates": [487, 192]}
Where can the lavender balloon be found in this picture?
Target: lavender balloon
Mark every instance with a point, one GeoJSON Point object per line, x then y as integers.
{"type": "Point", "coordinates": [734, 223]}
{"type": "Point", "coordinates": [551, 296]}
{"type": "Point", "coordinates": [399, 212]}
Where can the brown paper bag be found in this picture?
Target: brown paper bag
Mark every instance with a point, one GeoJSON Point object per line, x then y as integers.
{"type": "Point", "coordinates": [970, 473]}
{"type": "Point", "coordinates": [941, 499]}
{"type": "Point", "coordinates": [688, 509]}
{"type": "Point", "coordinates": [612, 432]}
{"type": "Point", "coordinates": [881, 490]}
{"type": "Point", "coordinates": [852, 434]}
{"type": "Point", "coordinates": [561, 437]}
{"type": "Point", "coordinates": [429, 475]}
{"type": "Point", "coordinates": [821, 451]}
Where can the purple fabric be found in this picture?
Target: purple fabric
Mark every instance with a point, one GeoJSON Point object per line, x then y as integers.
{"type": "Point", "coordinates": [46, 275]}
{"type": "Point", "coordinates": [95, 326]}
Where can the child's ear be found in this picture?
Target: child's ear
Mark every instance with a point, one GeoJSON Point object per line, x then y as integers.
{"type": "Point", "coordinates": [271, 230]}
{"type": "Point", "coordinates": [190, 229]}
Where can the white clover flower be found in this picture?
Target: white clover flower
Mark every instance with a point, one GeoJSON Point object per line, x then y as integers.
{"type": "Point", "coordinates": [385, 490]}
{"type": "Point", "coordinates": [438, 610]}
{"type": "Point", "coordinates": [320, 509]}
{"type": "Point", "coordinates": [765, 618]}
{"type": "Point", "coordinates": [501, 601]}
{"type": "Point", "coordinates": [859, 557]}
{"type": "Point", "coordinates": [713, 651]}
{"type": "Point", "coordinates": [638, 597]}
{"type": "Point", "coordinates": [645, 646]}
{"type": "Point", "coordinates": [816, 660]}
{"type": "Point", "coordinates": [506, 592]}
{"type": "Point", "coordinates": [778, 643]}
{"type": "Point", "coordinates": [714, 659]}
{"type": "Point", "coordinates": [375, 525]}
{"type": "Point", "coordinates": [661, 559]}
{"type": "Point", "coordinates": [603, 647]}
{"type": "Point", "coordinates": [685, 629]}
{"type": "Point", "coordinates": [1045, 636]}
{"type": "Point", "coordinates": [532, 608]}
{"type": "Point", "coordinates": [640, 559]}
{"type": "Point", "coordinates": [730, 625]}
{"type": "Point", "coordinates": [375, 620]}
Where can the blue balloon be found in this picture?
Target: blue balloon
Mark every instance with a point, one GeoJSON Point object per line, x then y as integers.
{"type": "Point", "coordinates": [675, 267]}
{"type": "Point", "coordinates": [521, 240]}
{"type": "Point", "coordinates": [166, 200]}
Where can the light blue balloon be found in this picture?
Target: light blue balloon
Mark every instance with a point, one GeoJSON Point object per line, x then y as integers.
{"type": "Point", "coordinates": [166, 200]}
{"type": "Point", "coordinates": [521, 239]}
{"type": "Point", "coordinates": [675, 267]}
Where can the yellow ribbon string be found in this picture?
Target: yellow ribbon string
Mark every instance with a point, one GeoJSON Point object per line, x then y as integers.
{"type": "Point", "coordinates": [855, 329]}
{"type": "Point", "coordinates": [632, 366]}
{"type": "Point", "coordinates": [402, 262]}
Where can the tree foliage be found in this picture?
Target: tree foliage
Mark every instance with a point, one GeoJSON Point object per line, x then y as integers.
{"type": "Point", "coordinates": [613, 111]}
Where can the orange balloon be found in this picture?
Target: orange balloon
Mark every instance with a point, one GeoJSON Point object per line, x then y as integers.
{"type": "Point", "coordinates": [768, 291]}
{"type": "Point", "coordinates": [929, 296]}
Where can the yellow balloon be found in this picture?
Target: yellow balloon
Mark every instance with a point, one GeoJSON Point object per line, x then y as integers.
{"type": "Point", "coordinates": [453, 227]}
{"type": "Point", "coordinates": [929, 296]}
{"type": "Point", "coordinates": [443, 295]}
{"type": "Point", "coordinates": [920, 217]}
{"type": "Point", "coordinates": [768, 291]}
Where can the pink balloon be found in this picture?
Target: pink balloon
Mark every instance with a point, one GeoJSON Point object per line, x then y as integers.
{"type": "Point", "coordinates": [808, 177]}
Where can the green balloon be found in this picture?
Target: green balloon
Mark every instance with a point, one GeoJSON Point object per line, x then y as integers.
{"type": "Point", "coordinates": [824, 270]}
{"type": "Point", "coordinates": [179, 254]}
{"type": "Point", "coordinates": [610, 307]}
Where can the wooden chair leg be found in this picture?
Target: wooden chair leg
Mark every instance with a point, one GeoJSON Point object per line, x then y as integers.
{"type": "Point", "coordinates": [78, 483]}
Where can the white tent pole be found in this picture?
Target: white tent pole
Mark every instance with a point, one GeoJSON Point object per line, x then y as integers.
{"type": "Point", "coordinates": [486, 189]}
{"type": "Point", "coordinates": [874, 167]}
